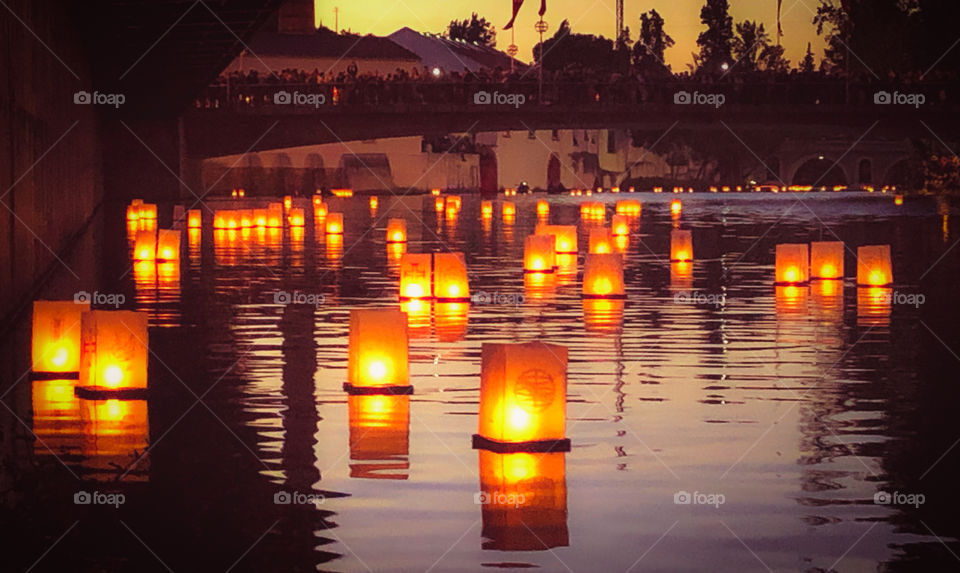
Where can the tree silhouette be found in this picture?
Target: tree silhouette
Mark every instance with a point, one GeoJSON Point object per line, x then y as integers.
{"type": "Point", "coordinates": [648, 51]}
{"type": "Point", "coordinates": [476, 30]}
{"type": "Point", "coordinates": [716, 42]}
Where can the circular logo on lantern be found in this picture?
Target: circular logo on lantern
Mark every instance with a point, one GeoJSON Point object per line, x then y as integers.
{"type": "Point", "coordinates": [534, 390]}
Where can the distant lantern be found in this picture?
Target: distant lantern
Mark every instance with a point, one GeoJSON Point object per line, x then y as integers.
{"type": "Point", "coordinates": [379, 436]}
{"type": "Point", "coordinates": [681, 245]}
{"type": "Point", "coordinates": [620, 226]}
{"type": "Point", "coordinates": [826, 260]}
{"type": "Point", "coordinates": [148, 211]}
{"type": "Point", "coordinates": [486, 208]}
{"type": "Point", "coordinates": [509, 209]}
{"type": "Point", "coordinates": [260, 218]}
{"type": "Point", "coordinates": [416, 276]}
{"type": "Point", "coordinates": [194, 219]}
{"type": "Point", "coordinates": [539, 254]}
{"type": "Point", "coordinates": [524, 501]}
{"type": "Point", "coordinates": [275, 215]}
{"type": "Point", "coordinates": [334, 223]}
{"type": "Point", "coordinates": [435, 191]}
{"type": "Point", "coordinates": [247, 219]}
{"type": "Point", "coordinates": [523, 397]}
{"type": "Point", "coordinates": [898, 200]}
{"type": "Point", "coordinates": [676, 207]}
{"type": "Point", "coordinates": [543, 208]}
{"type": "Point", "coordinates": [317, 200]}
{"type": "Point", "coordinates": [603, 276]}
{"type": "Point", "coordinates": [397, 231]}
{"type": "Point", "coordinates": [453, 201]}
{"type": "Point", "coordinates": [241, 193]}
{"type": "Point", "coordinates": [873, 266]}
{"type": "Point", "coordinates": [145, 246]}
{"type": "Point", "coordinates": [374, 202]}
{"type": "Point", "coordinates": [287, 202]}
{"type": "Point", "coordinates": [450, 277]}
{"type": "Point", "coordinates": [792, 264]}
{"type": "Point", "coordinates": [55, 339]}
{"type": "Point", "coordinates": [233, 193]}
{"type": "Point", "coordinates": [438, 204]}
{"type": "Point", "coordinates": [114, 350]}
{"type": "Point", "coordinates": [222, 218]}
{"type": "Point", "coordinates": [377, 357]}
{"type": "Point", "coordinates": [566, 236]}
{"type": "Point", "coordinates": [296, 218]}
{"type": "Point", "coordinates": [630, 207]}
{"type": "Point", "coordinates": [320, 211]}
{"type": "Point", "coordinates": [168, 245]}
{"type": "Point", "coordinates": [601, 243]}
{"type": "Point", "coordinates": [133, 212]}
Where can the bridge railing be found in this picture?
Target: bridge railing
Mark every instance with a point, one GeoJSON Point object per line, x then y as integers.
{"type": "Point", "coordinates": [338, 96]}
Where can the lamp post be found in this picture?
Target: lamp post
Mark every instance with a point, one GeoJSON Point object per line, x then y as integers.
{"type": "Point", "coordinates": [512, 49]}
{"type": "Point", "coordinates": [541, 27]}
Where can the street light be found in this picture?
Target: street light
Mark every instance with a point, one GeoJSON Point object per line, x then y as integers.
{"type": "Point", "coordinates": [541, 27]}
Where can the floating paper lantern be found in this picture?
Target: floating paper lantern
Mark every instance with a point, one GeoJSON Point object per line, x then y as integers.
{"type": "Point", "coordinates": [334, 223]}
{"type": "Point", "coordinates": [435, 191]}
{"type": "Point", "coordinates": [225, 219]}
{"type": "Point", "coordinates": [55, 338]}
{"type": "Point", "coordinates": [509, 209]}
{"type": "Point", "coordinates": [114, 350]}
{"type": "Point", "coordinates": [168, 245]}
{"type": "Point", "coordinates": [397, 231]}
{"type": "Point", "coordinates": [620, 226]}
{"type": "Point", "coordinates": [296, 218]}
{"type": "Point", "coordinates": [450, 319]}
{"type": "Point", "coordinates": [676, 207]}
{"type": "Point", "coordinates": [539, 254]}
{"type": "Point", "coordinates": [792, 264]}
{"type": "Point", "coordinates": [342, 193]}
{"type": "Point", "coordinates": [148, 211]}
{"type": "Point", "coordinates": [566, 237]}
{"type": "Point", "coordinates": [378, 352]}
{"type": "Point", "coordinates": [826, 260]}
{"type": "Point", "coordinates": [523, 397]}
{"type": "Point", "coordinates": [287, 202]}
{"type": "Point", "coordinates": [681, 245]}
{"type": "Point", "coordinates": [275, 215]}
{"type": "Point", "coordinates": [486, 208]}
{"type": "Point", "coordinates": [145, 246]}
{"type": "Point", "coordinates": [439, 203]}
{"type": "Point", "coordinates": [898, 200]}
{"type": "Point", "coordinates": [601, 242]}
{"type": "Point", "coordinates": [523, 501]}
{"type": "Point", "coordinates": [374, 203]}
{"type": "Point", "coordinates": [241, 193]}
{"type": "Point", "coordinates": [873, 266]}
{"type": "Point", "coordinates": [133, 212]}
{"type": "Point", "coordinates": [320, 211]}
{"type": "Point", "coordinates": [543, 208]}
{"type": "Point", "coordinates": [415, 276]}
{"type": "Point", "coordinates": [453, 201]}
{"type": "Point", "coordinates": [450, 277]}
{"type": "Point", "coordinates": [603, 276]}
{"type": "Point", "coordinates": [379, 436]}
{"type": "Point", "coordinates": [194, 219]}
{"type": "Point", "coordinates": [233, 193]}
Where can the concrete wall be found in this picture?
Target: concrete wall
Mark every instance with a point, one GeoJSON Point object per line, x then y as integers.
{"type": "Point", "coordinates": [50, 179]}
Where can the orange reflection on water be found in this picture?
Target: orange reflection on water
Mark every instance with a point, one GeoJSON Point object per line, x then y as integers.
{"type": "Point", "coordinates": [539, 286]}
{"type": "Point", "coordinates": [566, 268]}
{"type": "Point", "coordinates": [524, 501]}
{"type": "Point", "coordinates": [395, 252]}
{"type": "Point", "coordinates": [418, 317]}
{"type": "Point", "coordinates": [450, 320]}
{"type": "Point", "coordinates": [56, 418]}
{"type": "Point", "coordinates": [115, 435]}
{"type": "Point", "coordinates": [790, 300]}
{"type": "Point", "coordinates": [334, 244]}
{"type": "Point", "coordinates": [603, 315]}
{"type": "Point", "coordinates": [681, 276]}
{"type": "Point", "coordinates": [379, 436]}
{"type": "Point", "coordinates": [873, 306]}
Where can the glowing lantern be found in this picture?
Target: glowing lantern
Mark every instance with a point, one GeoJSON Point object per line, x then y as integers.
{"type": "Point", "coordinates": [486, 208]}
{"type": "Point", "coordinates": [342, 193]}
{"type": "Point", "coordinates": [241, 193]}
{"type": "Point", "coordinates": [681, 245]}
{"type": "Point", "coordinates": [168, 245]}
{"type": "Point", "coordinates": [287, 202]}
{"type": "Point", "coordinates": [415, 275]}
{"type": "Point", "coordinates": [450, 277]}
{"type": "Point", "coordinates": [523, 398]}
{"type": "Point", "coordinates": [145, 246]}
{"type": "Point", "coordinates": [317, 200]}
{"type": "Point", "coordinates": [621, 243]}
{"type": "Point", "coordinates": [296, 218]}
{"type": "Point", "coordinates": [435, 191]}
{"type": "Point", "coordinates": [334, 223]}
{"type": "Point", "coordinates": [629, 207]}
{"type": "Point", "coordinates": [539, 254]}
{"type": "Point", "coordinates": [56, 335]}
{"type": "Point", "coordinates": [439, 203]}
{"type": "Point", "coordinates": [509, 209]}
{"type": "Point", "coordinates": [148, 211]}
{"type": "Point", "coordinates": [450, 319]}
{"type": "Point", "coordinates": [566, 236]}
{"type": "Point", "coordinates": [619, 226]}
{"type": "Point", "coordinates": [233, 193]}
{"type": "Point", "coordinates": [453, 202]}
{"type": "Point", "coordinates": [524, 501]}
{"type": "Point", "coordinates": [792, 264]}
{"type": "Point", "coordinates": [260, 218]}
{"type": "Point", "coordinates": [826, 260]}
{"type": "Point", "coordinates": [603, 276]}
{"type": "Point", "coordinates": [377, 353]}
{"type": "Point", "coordinates": [245, 218]}
{"type": "Point", "coordinates": [676, 207]}
{"type": "Point", "coordinates": [275, 215]}
{"type": "Point", "coordinates": [543, 208]}
{"type": "Point", "coordinates": [379, 436]}
{"type": "Point", "coordinates": [320, 211]}
{"type": "Point", "coordinates": [222, 219]}
{"type": "Point", "coordinates": [114, 350]}
{"type": "Point", "coordinates": [601, 242]}
{"type": "Point", "coordinates": [194, 219]}
{"type": "Point", "coordinates": [873, 266]}
{"type": "Point", "coordinates": [397, 231]}
{"type": "Point", "coordinates": [133, 212]}
{"type": "Point", "coordinates": [374, 203]}
{"type": "Point", "coordinates": [898, 200]}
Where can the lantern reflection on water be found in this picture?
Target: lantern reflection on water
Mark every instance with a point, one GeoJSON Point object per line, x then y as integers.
{"type": "Point", "coordinates": [790, 300]}
{"type": "Point", "coordinates": [603, 276]}
{"type": "Point", "coordinates": [602, 314]}
{"type": "Point", "coordinates": [538, 253]}
{"type": "Point", "coordinates": [395, 252]}
{"type": "Point", "coordinates": [523, 397]}
{"type": "Point", "coordinates": [681, 245]}
{"type": "Point", "coordinates": [826, 260]}
{"type": "Point", "coordinates": [378, 352]}
{"type": "Point", "coordinates": [523, 501]}
{"type": "Point", "coordinates": [56, 417]}
{"type": "Point", "coordinates": [873, 306]}
{"type": "Point", "coordinates": [450, 277]}
{"type": "Point", "coordinates": [55, 336]}
{"type": "Point", "coordinates": [681, 276]}
{"type": "Point", "coordinates": [415, 276]}
{"type": "Point", "coordinates": [379, 432]}
{"type": "Point", "coordinates": [539, 286]}
{"type": "Point", "coordinates": [418, 317]}
{"type": "Point", "coordinates": [397, 231]}
{"type": "Point", "coordinates": [115, 436]}
{"type": "Point", "coordinates": [566, 237]}
{"type": "Point", "coordinates": [873, 266]}
{"type": "Point", "coordinates": [600, 242]}
{"type": "Point", "coordinates": [792, 264]}
{"type": "Point", "coordinates": [450, 320]}
{"type": "Point", "coordinates": [114, 350]}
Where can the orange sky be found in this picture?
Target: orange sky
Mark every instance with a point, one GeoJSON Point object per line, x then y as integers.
{"type": "Point", "coordinates": [381, 17]}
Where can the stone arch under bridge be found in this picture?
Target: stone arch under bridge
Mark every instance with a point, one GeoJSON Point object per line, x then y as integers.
{"type": "Point", "coordinates": [867, 162]}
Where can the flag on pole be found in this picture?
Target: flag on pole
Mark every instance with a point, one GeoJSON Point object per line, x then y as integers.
{"type": "Point", "coordinates": [779, 29]}
{"type": "Point", "coordinates": [543, 7]}
{"type": "Point", "coordinates": [516, 8]}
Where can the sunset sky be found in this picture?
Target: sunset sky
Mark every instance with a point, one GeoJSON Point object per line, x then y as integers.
{"type": "Point", "coordinates": [382, 17]}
